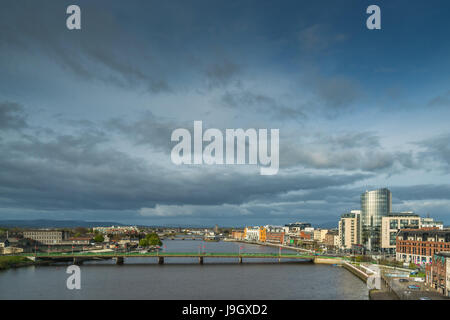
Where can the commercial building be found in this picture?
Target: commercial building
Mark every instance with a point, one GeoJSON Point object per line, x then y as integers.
{"type": "Point", "coordinates": [392, 224]}
{"type": "Point", "coordinates": [419, 245]}
{"type": "Point", "coordinates": [48, 237]}
{"type": "Point", "coordinates": [375, 204]}
{"type": "Point", "coordinates": [349, 229]}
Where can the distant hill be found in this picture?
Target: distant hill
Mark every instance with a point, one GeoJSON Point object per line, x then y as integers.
{"type": "Point", "coordinates": [42, 223]}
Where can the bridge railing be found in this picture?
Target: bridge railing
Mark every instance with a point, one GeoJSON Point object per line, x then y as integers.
{"type": "Point", "coordinates": [166, 254]}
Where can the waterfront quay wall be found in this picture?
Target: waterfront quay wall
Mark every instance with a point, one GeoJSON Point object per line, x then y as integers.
{"type": "Point", "coordinates": [357, 272]}
{"type": "Point", "coordinates": [319, 260]}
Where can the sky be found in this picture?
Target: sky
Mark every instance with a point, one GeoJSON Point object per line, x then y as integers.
{"type": "Point", "coordinates": [86, 115]}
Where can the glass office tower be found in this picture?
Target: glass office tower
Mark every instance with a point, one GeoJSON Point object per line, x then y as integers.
{"type": "Point", "coordinates": [374, 205]}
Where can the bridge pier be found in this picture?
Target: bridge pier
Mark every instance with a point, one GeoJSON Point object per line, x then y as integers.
{"type": "Point", "coordinates": [77, 262]}
{"type": "Point", "coordinates": [240, 260]}
{"type": "Point", "coordinates": [200, 260]}
{"type": "Point", "coordinates": [160, 260]}
{"type": "Point", "coordinates": [119, 260]}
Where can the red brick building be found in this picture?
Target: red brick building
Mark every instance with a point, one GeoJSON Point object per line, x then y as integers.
{"type": "Point", "coordinates": [275, 237]}
{"type": "Point", "coordinates": [419, 245]}
{"type": "Point", "coordinates": [305, 235]}
{"type": "Point", "coordinates": [437, 273]}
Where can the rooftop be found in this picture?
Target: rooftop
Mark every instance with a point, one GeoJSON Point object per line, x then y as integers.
{"type": "Point", "coordinates": [429, 231]}
{"type": "Point", "coordinates": [402, 214]}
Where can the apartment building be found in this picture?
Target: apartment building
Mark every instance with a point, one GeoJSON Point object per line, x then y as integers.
{"type": "Point", "coordinates": [392, 224]}
{"type": "Point", "coordinates": [349, 229]}
{"type": "Point", "coordinates": [419, 245]}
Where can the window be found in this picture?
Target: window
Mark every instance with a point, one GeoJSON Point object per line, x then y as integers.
{"type": "Point", "coordinates": [403, 223]}
{"type": "Point", "coordinates": [392, 238]}
{"type": "Point", "coordinates": [393, 224]}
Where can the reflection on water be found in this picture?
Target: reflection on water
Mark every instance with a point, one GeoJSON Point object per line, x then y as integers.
{"type": "Point", "coordinates": [142, 278]}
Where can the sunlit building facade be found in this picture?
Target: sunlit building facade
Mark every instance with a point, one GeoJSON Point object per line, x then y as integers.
{"type": "Point", "coordinates": [349, 229]}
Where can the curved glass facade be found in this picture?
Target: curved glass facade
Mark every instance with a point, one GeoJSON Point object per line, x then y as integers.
{"type": "Point", "coordinates": [374, 205]}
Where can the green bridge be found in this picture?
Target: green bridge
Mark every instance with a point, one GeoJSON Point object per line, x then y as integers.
{"type": "Point", "coordinates": [79, 257]}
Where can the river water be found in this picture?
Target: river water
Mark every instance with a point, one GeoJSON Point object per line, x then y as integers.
{"type": "Point", "coordinates": [184, 278]}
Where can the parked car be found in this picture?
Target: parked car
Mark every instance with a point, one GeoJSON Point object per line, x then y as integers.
{"type": "Point", "coordinates": [403, 280]}
{"type": "Point", "coordinates": [413, 286]}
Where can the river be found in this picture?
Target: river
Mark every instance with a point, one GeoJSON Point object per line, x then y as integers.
{"type": "Point", "coordinates": [184, 278]}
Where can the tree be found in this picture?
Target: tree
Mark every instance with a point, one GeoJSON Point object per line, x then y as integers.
{"type": "Point", "coordinates": [151, 239]}
{"type": "Point", "coordinates": [80, 230]}
{"type": "Point", "coordinates": [99, 238]}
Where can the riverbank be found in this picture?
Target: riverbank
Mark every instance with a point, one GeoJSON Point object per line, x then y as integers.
{"type": "Point", "coordinates": [254, 280]}
{"type": "Point", "coordinates": [7, 262]}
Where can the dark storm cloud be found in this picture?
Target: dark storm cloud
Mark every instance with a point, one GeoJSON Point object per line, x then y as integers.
{"type": "Point", "coordinates": [91, 55]}
{"type": "Point", "coordinates": [335, 93]}
{"type": "Point", "coordinates": [146, 130]}
{"type": "Point", "coordinates": [12, 116]}
{"type": "Point", "coordinates": [347, 150]}
{"type": "Point", "coordinates": [441, 100]}
{"type": "Point", "coordinates": [259, 60]}
{"type": "Point", "coordinates": [262, 104]}
{"type": "Point", "coordinates": [221, 74]}
{"type": "Point", "coordinates": [82, 171]}
{"type": "Point", "coordinates": [436, 149]}
{"type": "Point", "coordinates": [319, 38]}
{"type": "Point", "coordinates": [422, 192]}
{"type": "Point", "coordinates": [66, 174]}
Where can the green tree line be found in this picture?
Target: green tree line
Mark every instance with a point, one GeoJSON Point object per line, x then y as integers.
{"type": "Point", "coordinates": [151, 239]}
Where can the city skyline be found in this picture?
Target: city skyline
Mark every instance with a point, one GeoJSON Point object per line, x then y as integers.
{"type": "Point", "coordinates": [86, 115]}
